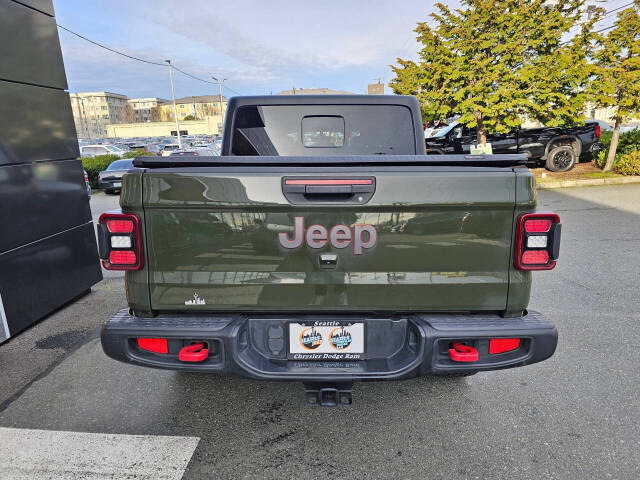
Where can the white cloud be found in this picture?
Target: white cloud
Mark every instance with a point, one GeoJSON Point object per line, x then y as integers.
{"type": "Point", "coordinates": [257, 45]}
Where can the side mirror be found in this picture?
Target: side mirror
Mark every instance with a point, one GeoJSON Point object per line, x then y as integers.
{"type": "Point", "coordinates": [458, 132]}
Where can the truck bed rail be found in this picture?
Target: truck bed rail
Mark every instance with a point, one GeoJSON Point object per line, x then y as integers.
{"type": "Point", "coordinates": [504, 160]}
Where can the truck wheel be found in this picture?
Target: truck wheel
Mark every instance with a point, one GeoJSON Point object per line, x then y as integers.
{"type": "Point", "coordinates": [561, 159]}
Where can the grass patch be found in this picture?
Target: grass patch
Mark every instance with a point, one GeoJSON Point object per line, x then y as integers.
{"type": "Point", "coordinates": [601, 175]}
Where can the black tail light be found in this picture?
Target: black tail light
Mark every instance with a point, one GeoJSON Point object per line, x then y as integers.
{"type": "Point", "coordinates": [120, 241]}
{"type": "Point", "coordinates": [537, 241]}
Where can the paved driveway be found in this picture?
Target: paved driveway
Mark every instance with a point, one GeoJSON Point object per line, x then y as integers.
{"type": "Point", "coordinates": [573, 416]}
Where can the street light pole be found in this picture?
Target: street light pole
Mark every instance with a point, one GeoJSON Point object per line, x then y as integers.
{"type": "Point", "coordinates": [220, 82]}
{"type": "Point", "coordinates": [175, 110]}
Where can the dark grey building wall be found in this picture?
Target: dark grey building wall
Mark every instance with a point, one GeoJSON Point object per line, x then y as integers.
{"type": "Point", "coordinates": [48, 253]}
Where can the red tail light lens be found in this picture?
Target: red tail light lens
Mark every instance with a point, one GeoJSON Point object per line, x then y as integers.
{"type": "Point", "coordinates": [122, 257]}
{"type": "Point", "coordinates": [120, 226]}
{"type": "Point", "coordinates": [537, 241]}
{"type": "Point", "coordinates": [597, 130]}
{"type": "Point", "coordinates": [120, 240]}
{"type": "Point", "coordinates": [535, 257]}
{"type": "Point", "coordinates": [536, 226]}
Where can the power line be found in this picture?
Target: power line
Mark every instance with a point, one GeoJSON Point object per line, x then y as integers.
{"type": "Point", "coordinates": [618, 8]}
{"type": "Point", "coordinates": [597, 31]}
{"type": "Point", "coordinates": [110, 49]}
{"type": "Point", "coordinates": [205, 81]}
{"type": "Point", "coordinates": [613, 11]}
{"type": "Point", "coordinates": [142, 59]}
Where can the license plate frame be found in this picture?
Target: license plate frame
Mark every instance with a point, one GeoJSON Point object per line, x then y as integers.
{"type": "Point", "coordinates": [326, 341]}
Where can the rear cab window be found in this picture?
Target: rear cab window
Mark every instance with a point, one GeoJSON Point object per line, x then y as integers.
{"type": "Point", "coordinates": [323, 130]}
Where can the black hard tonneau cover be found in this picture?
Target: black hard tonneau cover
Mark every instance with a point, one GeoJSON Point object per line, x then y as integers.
{"type": "Point", "coordinates": [503, 160]}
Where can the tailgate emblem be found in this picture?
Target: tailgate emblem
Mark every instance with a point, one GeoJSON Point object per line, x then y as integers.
{"type": "Point", "coordinates": [340, 236]}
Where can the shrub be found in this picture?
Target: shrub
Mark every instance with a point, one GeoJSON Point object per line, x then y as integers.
{"type": "Point", "coordinates": [94, 165]}
{"type": "Point", "coordinates": [135, 153]}
{"type": "Point", "coordinates": [628, 164]}
{"type": "Point", "coordinates": [628, 142]}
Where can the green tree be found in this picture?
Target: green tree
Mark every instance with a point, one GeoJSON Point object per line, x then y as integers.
{"type": "Point", "coordinates": [189, 117]}
{"type": "Point", "coordinates": [616, 81]}
{"type": "Point", "coordinates": [491, 62]}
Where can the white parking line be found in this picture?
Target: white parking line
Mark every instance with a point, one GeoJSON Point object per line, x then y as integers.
{"type": "Point", "coordinates": [4, 326]}
{"type": "Point", "coordinates": [28, 454]}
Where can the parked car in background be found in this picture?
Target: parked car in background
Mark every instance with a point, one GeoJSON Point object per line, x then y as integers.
{"type": "Point", "coordinates": [604, 126]}
{"type": "Point", "coordinates": [179, 153]}
{"type": "Point", "coordinates": [95, 150]}
{"type": "Point", "coordinates": [558, 149]}
{"type": "Point", "coordinates": [168, 148]}
{"type": "Point", "coordinates": [110, 180]}
{"type": "Point", "coordinates": [86, 181]}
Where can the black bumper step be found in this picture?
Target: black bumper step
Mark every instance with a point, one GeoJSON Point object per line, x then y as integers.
{"type": "Point", "coordinates": [397, 347]}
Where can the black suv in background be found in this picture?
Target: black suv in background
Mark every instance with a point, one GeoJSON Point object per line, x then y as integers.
{"type": "Point", "coordinates": [558, 149]}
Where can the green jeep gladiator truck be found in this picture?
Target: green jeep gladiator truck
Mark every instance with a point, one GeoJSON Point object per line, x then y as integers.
{"type": "Point", "coordinates": [323, 246]}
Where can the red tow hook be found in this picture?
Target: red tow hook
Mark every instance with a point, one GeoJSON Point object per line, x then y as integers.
{"type": "Point", "coordinates": [193, 353]}
{"type": "Point", "coordinates": [463, 353]}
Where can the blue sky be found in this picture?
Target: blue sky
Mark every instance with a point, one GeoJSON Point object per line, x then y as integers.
{"type": "Point", "coordinates": [260, 46]}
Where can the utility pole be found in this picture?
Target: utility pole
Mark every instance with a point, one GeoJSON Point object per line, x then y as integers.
{"type": "Point", "coordinates": [220, 82]}
{"type": "Point", "coordinates": [175, 110]}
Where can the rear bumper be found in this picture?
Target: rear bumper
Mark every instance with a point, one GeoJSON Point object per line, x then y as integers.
{"type": "Point", "coordinates": [110, 184]}
{"type": "Point", "coordinates": [397, 347]}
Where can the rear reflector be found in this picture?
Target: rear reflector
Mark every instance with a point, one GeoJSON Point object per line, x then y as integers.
{"type": "Point", "coordinates": [501, 345]}
{"type": "Point", "coordinates": [120, 226]}
{"type": "Point", "coordinates": [535, 257]}
{"type": "Point", "coordinates": [155, 345]}
{"type": "Point", "coordinates": [537, 226]}
{"type": "Point", "coordinates": [122, 257]}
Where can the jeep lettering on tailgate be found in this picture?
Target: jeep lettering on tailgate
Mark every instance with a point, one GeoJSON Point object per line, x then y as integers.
{"type": "Point", "coordinates": [340, 236]}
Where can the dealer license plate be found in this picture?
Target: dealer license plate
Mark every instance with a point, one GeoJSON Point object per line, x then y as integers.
{"type": "Point", "coordinates": [326, 341]}
{"type": "Point", "coordinates": [117, 184]}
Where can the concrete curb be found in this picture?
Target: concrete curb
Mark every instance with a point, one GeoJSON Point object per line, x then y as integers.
{"type": "Point", "coordinates": [587, 183]}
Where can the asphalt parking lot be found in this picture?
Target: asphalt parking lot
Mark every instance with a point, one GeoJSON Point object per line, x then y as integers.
{"type": "Point", "coordinates": [573, 416]}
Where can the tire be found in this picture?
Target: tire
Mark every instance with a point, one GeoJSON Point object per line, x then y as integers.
{"type": "Point", "coordinates": [561, 159]}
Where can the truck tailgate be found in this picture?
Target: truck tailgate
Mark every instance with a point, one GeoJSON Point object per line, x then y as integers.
{"type": "Point", "coordinates": [226, 240]}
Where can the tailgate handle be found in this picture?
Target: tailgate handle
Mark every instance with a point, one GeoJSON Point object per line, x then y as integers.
{"type": "Point", "coordinates": [337, 190]}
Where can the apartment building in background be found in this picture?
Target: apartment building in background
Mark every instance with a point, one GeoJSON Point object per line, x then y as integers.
{"type": "Point", "coordinates": [142, 108]}
{"type": "Point", "coordinates": [93, 111]}
{"type": "Point", "coordinates": [197, 107]}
